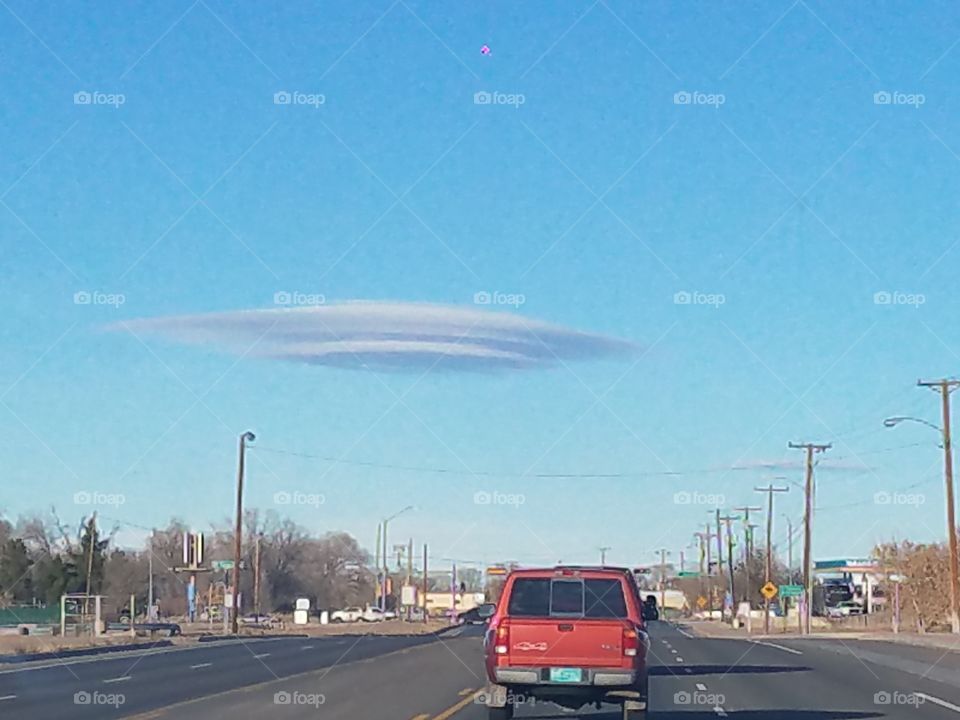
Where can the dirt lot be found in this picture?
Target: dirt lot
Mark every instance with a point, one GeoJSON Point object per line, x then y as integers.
{"type": "Point", "coordinates": [22, 644]}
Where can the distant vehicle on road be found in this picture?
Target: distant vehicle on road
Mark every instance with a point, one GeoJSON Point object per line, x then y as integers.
{"type": "Point", "coordinates": [473, 616]}
{"type": "Point", "coordinates": [347, 615]}
{"type": "Point", "coordinates": [568, 635]}
{"type": "Point", "coordinates": [649, 610]}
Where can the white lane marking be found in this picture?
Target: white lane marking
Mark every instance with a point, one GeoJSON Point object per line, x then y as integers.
{"type": "Point", "coordinates": [307, 647]}
{"type": "Point", "coordinates": [673, 650]}
{"type": "Point", "coordinates": [7, 697]}
{"type": "Point", "coordinates": [685, 633]}
{"type": "Point", "coordinates": [701, 687]}
{"type": "Point", "coordinates": [778, 647]}
{"type": "Point", "coordinates": [938, 701]}
{"type": "Point", "coordinates": [261, 655]}
{"type": "Point", "coordinates": [679, 659]}
{"type": "Point", "coordinates": [720, 711]}
{"type": "Point", "coordinates": [200, 665]}
{"type": "Point", "coordinates": [117, 679]}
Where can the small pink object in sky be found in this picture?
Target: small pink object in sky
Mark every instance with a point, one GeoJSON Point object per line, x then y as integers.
{"type": "Point", "coordinates": [485, 50]}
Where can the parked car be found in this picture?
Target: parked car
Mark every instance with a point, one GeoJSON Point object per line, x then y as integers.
{"type": "Point", "coordinates": [568, 635]}
{"type": "Point", "coordinates": [845, 609]}
{"type": "Point", "coordinates": [347, 615]}
{"type": "Point", "coordinates": [375, 614]}
{"type": "Point", "coordinates": [254, 620]}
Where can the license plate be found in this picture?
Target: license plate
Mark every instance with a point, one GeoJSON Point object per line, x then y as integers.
{"type": "Point", "coordinates": [566, 675]}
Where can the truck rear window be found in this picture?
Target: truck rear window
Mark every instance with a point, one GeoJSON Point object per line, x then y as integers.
{"type": "Point", "coordinates": [568, 598]}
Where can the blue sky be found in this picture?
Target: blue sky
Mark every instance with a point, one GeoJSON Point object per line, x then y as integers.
{"type": "Point", "coordinates": [786, 188]}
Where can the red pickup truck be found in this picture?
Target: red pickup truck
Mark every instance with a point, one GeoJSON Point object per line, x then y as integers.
{"type": "Point", "coordinates": [567, 635]}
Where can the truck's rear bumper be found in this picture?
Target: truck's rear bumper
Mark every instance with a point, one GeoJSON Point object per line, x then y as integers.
{"type": "Point", "coordinates": [597, 677]}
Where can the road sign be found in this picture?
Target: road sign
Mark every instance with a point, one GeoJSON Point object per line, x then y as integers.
{"type": "Point", "coordinates": [701, 602]}
{"type": "Point", "coordinates": [223, 564]}
{"type": "Point", "coordinates": [791, 590]}
{"type": "Point", "coordinates": [496, 570]}
{"type": "Point", "coordinates": [688, 573]}
{"type": "Point", "coordinates": [769, 590]}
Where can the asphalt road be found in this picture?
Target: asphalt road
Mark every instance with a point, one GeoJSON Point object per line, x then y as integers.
{"type": "Point", "coordinates": [425, 678]}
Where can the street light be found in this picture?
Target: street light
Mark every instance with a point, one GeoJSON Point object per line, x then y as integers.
{"type": "Point", "coordinates": [244, 439]}
{"type": "Point", "coordinates": [951, 519]}
{"type": "Point", "coordinates": [386, 570]}
{"type": "Point", "coordinates": [897, 419]}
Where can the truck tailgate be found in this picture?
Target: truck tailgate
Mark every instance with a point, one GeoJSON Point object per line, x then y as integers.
{"type": "Point", "coordinates": [558, 642]}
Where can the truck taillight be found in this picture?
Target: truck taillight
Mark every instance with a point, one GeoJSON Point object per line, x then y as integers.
{"type": "Point", "coordinates": [502, 640]}
{"type": "Point", "coordinates": [630, 642]}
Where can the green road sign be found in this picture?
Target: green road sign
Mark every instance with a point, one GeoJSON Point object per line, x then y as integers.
{"type": "Point", "coordinates": [223, 564]}
{"type": "Point", "coordinates": [688, 573]}
{"type": "Point", "coordinates": [791, 590]}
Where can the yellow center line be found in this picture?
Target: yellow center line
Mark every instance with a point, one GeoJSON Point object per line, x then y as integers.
{"type": "Point", "coordinates": [454, 709]}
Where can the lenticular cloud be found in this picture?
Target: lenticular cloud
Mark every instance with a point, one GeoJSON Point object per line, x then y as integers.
{"type": "Point", "coordinates": [387, 336]}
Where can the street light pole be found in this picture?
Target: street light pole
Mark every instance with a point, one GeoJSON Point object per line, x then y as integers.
{"type": "Point", "coordinates": [944, 387]}
{"type": "Point", "coordinates": [386, 569]}
{"type": "Point", "coordinates": [244, 439]}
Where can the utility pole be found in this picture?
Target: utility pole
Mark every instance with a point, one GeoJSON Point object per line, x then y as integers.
{"type": "Point", "coordinates": [945, 387]}
{"type": "Point", "coordinates": [789, 547]}
{"type": "Point", "coordinates": [703, 580]}
{"type": "Point", "coordinates": [707, 540]}
{"type": "Point", "coordinates": [425, 582]}
{"type": "Point", "coordinates": [769, 490]}
{"type": "Point", "coordinates": [720, 557]}
{"type": "Point", "coordinates": [728, 519]}
{"type": "Point", "coordinates": [663, 577]}
{"type": "Point", "coordinates": [704, 539]}
{"type": "Point", "coordinates": [682, 568]}
{"type": "Point", "coordinates": [603, 554]}
{"type": "Point", "coordinates": [256, 576]}
{"type": "Point", "coordinates": [810, 449]}
{"type": "Point", "coordinates": [747, 543]}
{"type": "Point", "coordinates": [238, 531]}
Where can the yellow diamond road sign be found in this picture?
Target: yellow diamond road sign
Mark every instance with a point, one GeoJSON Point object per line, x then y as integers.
{"type": "Point", "coordinates": [701, 601]}
{"type": "Point", "coordinates": [769, 590]}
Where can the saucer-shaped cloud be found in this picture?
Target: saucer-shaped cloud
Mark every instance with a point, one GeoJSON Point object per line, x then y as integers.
{"type": "Point", "coordinates": [386, 335]}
